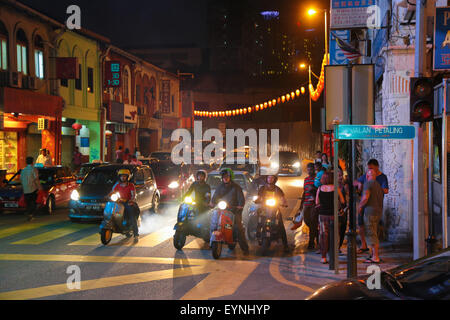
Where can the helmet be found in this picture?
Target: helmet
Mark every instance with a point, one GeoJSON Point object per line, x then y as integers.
{"type": "Point", "coordinates": [125, 172]}
{"type": "Point", "coordinates": [227, 171]}
{"type": "Point", "coordinates": [202, 171]}
{"type": "Point", "coordinates": [272, 175]}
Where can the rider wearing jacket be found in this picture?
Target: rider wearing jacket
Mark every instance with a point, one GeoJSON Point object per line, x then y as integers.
{"type": "Point", "coordinates": [202, 191]}
{"type": "Point", "coordinates": [127, 193]}
{"type": "Point", "coordinates": [231, 192]}
{"type": "Point", "coordinates": [271, 190]}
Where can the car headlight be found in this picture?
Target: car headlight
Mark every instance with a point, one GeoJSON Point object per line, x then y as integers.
{"type": "Point", "coordinates": [222, 205]}
{"type": "Point", "coordinates": [296, 165]}
{"type": "Point", "coordinates": [174, 185]}
{"type": "Point", "coordinates": [75, 196]}
{"type": "Point", "coordinates": [274, 165]}
{"type": "Point", "coordinates": [115, 196]}
{"type": "Point", "coordinates": [188, 200]}
{"type": "Point", "coordinates": [271, 202]}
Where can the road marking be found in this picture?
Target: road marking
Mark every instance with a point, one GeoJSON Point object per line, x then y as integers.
{"type": "Point", "coordinates": [276, 274]}
{"type": "Point", "coordinates": [224, 277]}
{"type": "Point", "coordinates": [197, 244]}
{"type": "Point", "coordinates": [19, 229]}
{"type": "Point", "coordinates": [53, 234]}
{"type": "Point", "coordinates": [156, 238]}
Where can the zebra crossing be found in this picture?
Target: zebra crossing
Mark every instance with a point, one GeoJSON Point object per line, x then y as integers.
{"type": "Point", "coordinates": [34, 234]}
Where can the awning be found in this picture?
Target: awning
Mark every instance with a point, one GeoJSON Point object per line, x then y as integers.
{"type": "Point", "coordinates": [30, 102]}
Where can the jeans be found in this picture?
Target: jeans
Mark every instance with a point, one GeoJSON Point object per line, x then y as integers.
{"type": "Point", "coordinates": [131, 215]}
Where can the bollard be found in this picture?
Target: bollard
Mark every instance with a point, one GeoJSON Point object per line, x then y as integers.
{"type": "Point", "coordinates": [331, 246]}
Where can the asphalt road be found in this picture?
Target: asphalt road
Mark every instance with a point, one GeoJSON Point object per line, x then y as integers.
{"type": "Point", "coordinates": [41, 259]}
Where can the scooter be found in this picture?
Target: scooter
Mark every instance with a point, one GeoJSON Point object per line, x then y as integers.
{"type": "Point", "coordinates": [114, 220]}
{"type": "Point", "coordinates": [189, 223]}
{"type": "Point", "coordinates": [252, 221]}
{"type": "Point", "coordinates": [222, 231]}
{"type": "Point", "coordinates": [267, 228]}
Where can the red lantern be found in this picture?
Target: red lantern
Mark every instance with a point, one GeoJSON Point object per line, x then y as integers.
{"type": "Point", "coordinates": [257, 107]}
{"type": "Point", "coordinates": [274, 102]}
{"type": "Point", "coordinates": [77, 127]}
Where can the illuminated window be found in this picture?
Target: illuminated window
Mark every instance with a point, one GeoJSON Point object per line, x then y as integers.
{"type": "Point", "coordinates": [3, 47]}
{"type": "Point", "coordinates": [39, 57]}
{"type": "Point", "coordinates": [22, 60]}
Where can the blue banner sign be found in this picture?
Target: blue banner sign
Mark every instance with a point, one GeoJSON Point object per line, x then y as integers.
{"type": "Point", "coordinates": [442, 39]}
{"type": "Point", "coordinates": [376, 132]}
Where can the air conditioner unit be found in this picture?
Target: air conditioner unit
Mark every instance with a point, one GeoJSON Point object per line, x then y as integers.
{"type": "Point", "coordinates": [31, 83]}
{"type": "Point", "coordinates": [15, 79]}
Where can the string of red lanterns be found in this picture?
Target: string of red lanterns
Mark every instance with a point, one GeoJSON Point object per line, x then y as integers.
{"type": "Point", "coordinates": [256, 108]}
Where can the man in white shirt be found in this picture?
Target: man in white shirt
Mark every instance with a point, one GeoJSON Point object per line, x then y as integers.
{"type": "Point", "coordinates": [42, 157]}
{"type": "Point", "coordinates": [29, 177]}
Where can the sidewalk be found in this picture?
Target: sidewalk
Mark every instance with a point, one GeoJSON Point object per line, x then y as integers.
{"type": "Point", "coordinates": [305, 267]}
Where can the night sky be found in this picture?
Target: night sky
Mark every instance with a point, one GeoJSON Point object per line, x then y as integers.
{"type": "Point", "coordinates": [131, 23]}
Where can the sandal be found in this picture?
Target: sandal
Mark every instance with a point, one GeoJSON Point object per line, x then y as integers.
{"type": "Point", "coordinates": [362, 250]}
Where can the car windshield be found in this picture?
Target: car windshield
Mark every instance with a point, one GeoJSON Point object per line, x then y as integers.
{"type": "Point", "coordinates": [161, 155]}
{"type": "Point", "coordinates": [85, 170]}
{"type": "Point", "coordinates": [288, 157]}
{"type": "Point", "coordinates": [240, 167]}
{"type": "Point", "coordinates": [99, 177]}
{"type": "Point", "coordinates": [46, 174]}
{"type": "Point", "coordinates": [216, 179]}
{"type": "Point", "coordinates": [165, 169]}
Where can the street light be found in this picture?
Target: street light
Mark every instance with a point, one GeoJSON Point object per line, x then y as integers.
{"type": "Point", "coordinates": [303, 66]}
{"type": "Point", "coordinates": [312, 12]}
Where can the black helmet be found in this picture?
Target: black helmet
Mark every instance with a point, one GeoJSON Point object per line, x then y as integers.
{"type": "Point", "coordinates": [202, 172]}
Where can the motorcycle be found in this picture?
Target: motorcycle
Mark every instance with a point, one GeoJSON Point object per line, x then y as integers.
{"type": "Point", "coordinates": [267, 228]}
{"type": "Point", "coordinates": [189, 223]}
{"type": "Point", "coordinates": [114, 220]}
{"type": "Point", "coordinates": [252, 221]}
{"type": "Point", "coordinates": [222, 231]}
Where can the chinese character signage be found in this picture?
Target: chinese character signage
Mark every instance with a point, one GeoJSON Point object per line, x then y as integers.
{"type": "Point", "coordinates": [442, 39]}
{"type": "Point", "coordinates": [113, 74]}
{"type": "Point", "coordinates": [353, 14]}
{"type": "Point", "coordinates": [165, 96]}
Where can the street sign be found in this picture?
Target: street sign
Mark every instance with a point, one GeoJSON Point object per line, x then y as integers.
{"type": "Point", "coordinates": [442, 39]}
{"type": "Point", "coordinates": [354, 14]}
{"type": "Point", "coordinates": [337, 56]}
{"type": "Point", "coordinates": [377, 132]}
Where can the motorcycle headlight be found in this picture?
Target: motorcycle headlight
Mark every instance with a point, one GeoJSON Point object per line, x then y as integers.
{"type": "Point", "coordinates": [274, 165]}
{"type": "Point", "coordinates": [188, 200]}
{"type": "Point", "coordinates": [115, 197]}
{"type": "Point", "coordinates": [174, 185]}
{"type": "Point", "coordinates": [271, 202]}
{"type": "Point", "coordinates": [75, 196]}
{"type": "Point", "coordinates": [255, 198]}
{"type": "Point", "coordinates": [222, 205]}
{"type": "Point", "coordinates": [296, 165]}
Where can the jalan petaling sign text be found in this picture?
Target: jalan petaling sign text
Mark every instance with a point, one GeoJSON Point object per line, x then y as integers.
{"type": "Point", "coordinates": [366, 132]}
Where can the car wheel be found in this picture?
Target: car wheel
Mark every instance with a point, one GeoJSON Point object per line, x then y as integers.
{"type": "Point", "coordinates": [155, 204]}
{"type": "Point", "coordinates": [50, 206]}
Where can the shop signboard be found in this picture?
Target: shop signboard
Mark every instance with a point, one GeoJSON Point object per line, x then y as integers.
{"type": "Point", "coordinates": [441, 46]}
{"type": "Point", "coordinates": [130, 114]}
{"type": "Point", "coordinates": [351, 14]}
{"type": "Point", "coordinates": [113, 74]}
{"type": "Point", "coordinates": [165, 96]}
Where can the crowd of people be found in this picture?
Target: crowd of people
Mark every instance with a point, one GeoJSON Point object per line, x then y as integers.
{"type": "Point", "coordinates": [317, 206]}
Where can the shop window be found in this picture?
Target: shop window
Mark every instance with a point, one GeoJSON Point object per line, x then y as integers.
{"type": "Point", "coordinates": [90, 80]}
{"type": "Point", "coordinates": [78, 83]}
{"type": "Point", "coordinates": [39, 57]}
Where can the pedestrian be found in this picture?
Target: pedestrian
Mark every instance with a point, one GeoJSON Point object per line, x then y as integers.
{"type": "Point", "coordinates": [119, 154]}
{"type": "Point", "coordinates": [307, 206]}
{"type": "Point", "coordinates": [42, 157]}
{"type": "Point", "coordinates": [325, 202]}
{"type": "Point", "coordinates": [48, 159]}
{"type": "Point", "coordinates": [135, 161]}
{"type": "Point", "coordinates": [372, 204]}
{"type": "Point", "coordinates": [343, 211]}
{"type": "Point", "coordinates": [29, 177]}
{"type": "Point", "coordinates": [319, 172]}
{"type": "Point", "coordinates": [127, 156]}
{"type": "Point", "coordinates": [318, 157]}
{"type": "Point", "coordinates": [137, 153]}
{"type": "Point", "coordinates": [77, 159]}
{"type": "Point", "coordinates": [382, 179]}
{"type": "Point", "coordinates": [325, 162]}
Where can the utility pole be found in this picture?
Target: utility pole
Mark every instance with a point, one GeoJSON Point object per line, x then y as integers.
{"type": "Point", "coordinates": [418, 186]}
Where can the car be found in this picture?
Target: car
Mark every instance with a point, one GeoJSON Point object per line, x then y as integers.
{"type": "Point", "coordinates": [242, 178]}
{"type": "Point", "coordinates": [85, 169]}
{"type": "Point", "coordinates": [288, 164]}
{"type": "Point", "coordinates": [160, 155]}
{"type": "Point", "coordinates": [427, 278]}
{"type": "Point", "coordinates": [172, 180]}
{"type": "Point", "coordinates": [147, 161]}
{"type": "Point", "coordinates": [89, 200]}
{"type": "Point", "coordinates": [252, 168]}
{"type": "Point", "coordinates": [57, 184]}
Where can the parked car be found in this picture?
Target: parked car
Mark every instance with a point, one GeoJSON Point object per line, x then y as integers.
{"type": "Point", "coordinates": [423, 279]}
{"type": "Point", "coordinates": [85, 169]}
{"type": "Point", "coordinates": [172, 180]}
{"type": "Point", "coordinates": [57, 184]}
{"type": "Point", "coordinates": [88, 201]}
{"type": "Point", "coordinates": [160, 155]}
{"type": "Point", "coordinates": [288, 164]}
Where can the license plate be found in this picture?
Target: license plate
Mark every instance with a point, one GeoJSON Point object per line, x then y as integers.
{"type": "Point", "coordinates": [11, 204]}
{"type": "Point", "coordinates": [92, 207]}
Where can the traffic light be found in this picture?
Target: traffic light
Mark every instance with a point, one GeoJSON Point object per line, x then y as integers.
{"type": "Point", "coordinates": [421, 99]}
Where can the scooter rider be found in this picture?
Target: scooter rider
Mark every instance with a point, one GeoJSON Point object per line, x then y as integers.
{"type": "Point", "coordinates": [202, 191]}
{"type": "Point", "coordinates": [127, 193]}
{"type": "Point", "coordinates": [272, 190]}
{"type": "Point", "coordinates": [231, 192]}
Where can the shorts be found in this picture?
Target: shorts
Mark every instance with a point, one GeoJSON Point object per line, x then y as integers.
{"type": "Point", "coordinates": [371, 221]}
{"type": "Point", "coordinates": [361, 219]}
